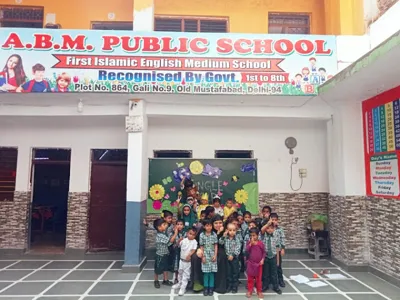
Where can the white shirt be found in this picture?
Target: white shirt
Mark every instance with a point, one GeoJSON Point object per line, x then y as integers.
{"type": "Point", "coordinates": [187, 246]}
{"type": "Point", "coordinates": [219, 211]}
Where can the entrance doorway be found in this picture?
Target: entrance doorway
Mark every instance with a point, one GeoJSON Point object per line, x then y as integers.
{"type": "Point", "coordinates": [107, 200]}
{"type": "Point", "coordinates": [50, 180]}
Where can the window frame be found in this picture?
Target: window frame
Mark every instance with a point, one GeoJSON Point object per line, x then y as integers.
{"type": "Point", "coordinates": [289, 14]}
{"type": "Point", "coordinates": [189, 152]}
{"type": "Point", "coordinates": [37, 7]}
{"type": "Point", "coordinates": [196, 18]}
{"type": "Point", "coordinates": [110, 22]}
{"type": "Point", "coordinates": [2, 199]}
{"type": "Point", "coordinates": [95, 161]}
{"type": "Point", "coordinates": [250, 152]}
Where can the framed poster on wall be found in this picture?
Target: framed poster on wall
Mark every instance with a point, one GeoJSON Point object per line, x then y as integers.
{"type": "Point", "coordinates": [381, 123]}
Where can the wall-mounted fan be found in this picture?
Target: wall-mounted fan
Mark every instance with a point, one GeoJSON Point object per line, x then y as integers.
{"type": "Point", "coordinates": [291, 143]}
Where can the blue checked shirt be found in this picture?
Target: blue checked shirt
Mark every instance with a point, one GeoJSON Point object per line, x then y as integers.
{"type": "Point", "coordinates": [271, 242]}
{"type": "Point", "coordinates": [162, 244]}
{"type": "Point", "coordinates": [232, 246]}
{"type": "Point", "coordinates": [281, 237]}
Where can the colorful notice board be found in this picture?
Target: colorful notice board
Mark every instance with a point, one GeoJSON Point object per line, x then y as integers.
{"type": "Point", "coordinates": [381, 122]}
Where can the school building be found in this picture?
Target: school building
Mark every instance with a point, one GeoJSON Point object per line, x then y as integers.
{"type": "Point", "coordinates": [173, 82]}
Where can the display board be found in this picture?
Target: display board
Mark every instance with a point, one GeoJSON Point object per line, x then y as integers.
{"type": "Point", "coordinates": [227, 178]}
{"type": "Point", "coordinates": [381, 122]}
{"type": "Point", "coordinates": [67, 61]}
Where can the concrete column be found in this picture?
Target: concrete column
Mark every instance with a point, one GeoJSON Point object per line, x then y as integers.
{"type": "Point", "coordinates": [136, 190]}
{"type": "Point", "coordinates": [347, 205]}
{"type": "Point", "coordinates": [346, 152]}
{"type": "Point", "coordinates": [143, 15]}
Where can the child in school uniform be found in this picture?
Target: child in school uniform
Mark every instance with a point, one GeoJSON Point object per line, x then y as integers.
{"type": "Point", "coordinates": [209, 248]}
{"type": "Point", "coordinates": [265, 214]}
{"type": "Point", "coordinates": [167, 216]}
{"type": "Point", "coordinates": [188, 247]}
{"type": "Point", "coordinates": [233, 248]}
{"type": "Point", "coordinates": [271, 261]}
{"type": "Point", "coordinates": [255, 250]}
{"type": "Point", "coordinates": [246, 221]}
{"type": "Point", "coordinates": [246, 239]}
{"type": "Point", "coordinates": [282, 241]}
{"type": "Point", "coordinates": [163, 241]}
{"type": "Point", "coordinates": [189, 217]}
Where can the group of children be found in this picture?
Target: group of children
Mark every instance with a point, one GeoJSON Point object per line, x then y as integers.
{"type": "Point", "coordinates": [207, 247]}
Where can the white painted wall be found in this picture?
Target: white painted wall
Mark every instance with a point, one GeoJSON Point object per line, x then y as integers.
{"type": "Point", "coordinates": [265, 137]}
{"type": "Point", "coordinates": [202, 135]}
{"type": "Point", "coordinates": [346, 151]}
{"type": "Point", "coordinates": [77, 133]}
{"type": "Point", "coordinates": [350, 48]}
{"type": "Point", "coordinates": [387, 25]}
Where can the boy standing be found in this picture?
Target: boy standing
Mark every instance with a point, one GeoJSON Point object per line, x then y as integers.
{"type": "Point", "coordinates": [265, 214]}
{"type": "Point", "coordinates": [188, 246]}
{"type": "Point", "coordinates": [37, 84]}
{"type": "Point", "coordinates": [163, 241]}
{"type": "Point", "coordinates": [233, 248]}
{"type": "Point", "coordinates": [270, 272]}
{"type": "Point", "coordinates": [280, 234]}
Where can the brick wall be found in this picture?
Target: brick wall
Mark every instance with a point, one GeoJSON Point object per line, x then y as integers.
{"type": "Point", "coordinates": [78, 221]}
{"type": "Point", "coordinates": [14, 221]}
{"type": "Point", "coordinates": [366, 230]}
{"type": "Point", "coordinates": [383, 217]}
{"type": "Point", "coordinates": [384, 5]}
{"type": "Point", "coordinates": [293, 210]}
{"type": "Point", "coordinates": [348, 229]}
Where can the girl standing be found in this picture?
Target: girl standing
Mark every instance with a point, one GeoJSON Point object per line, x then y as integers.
{"type": "Point", "coordinates": [255, 260]}
{"type": "Point", "coordinates": [209, 247]}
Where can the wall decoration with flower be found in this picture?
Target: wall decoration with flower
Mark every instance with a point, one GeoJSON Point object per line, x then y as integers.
{"type": "Point", "coordinates": [228, 178]}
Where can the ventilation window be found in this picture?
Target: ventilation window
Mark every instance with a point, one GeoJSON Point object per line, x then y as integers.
{"type": "Point", "coordinates": [112, 25]}
{"type": "Point", "coordinates": [110, 155]}
{"type": "Point", "coordinates": [190, 24]}
{"type": "Point", "coordinates": [18, 16]}
{"type": "Point", "coordinates": [288, 23]}
{"type": "Point", "coordinates": [233, 154]}
{"type": "Point", "coordinates": [172, 154]}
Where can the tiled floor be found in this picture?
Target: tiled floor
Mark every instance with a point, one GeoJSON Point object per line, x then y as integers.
{"type": "Point", "coordinates": [90, 280]}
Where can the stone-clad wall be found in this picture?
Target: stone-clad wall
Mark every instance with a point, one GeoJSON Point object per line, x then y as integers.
{"type": "Point", "coordinates": [366, 231]}
{"type": "Point", "coordinates": [293, 210]}
{"type": "Point", "coordinates": [348, 229]}
{"type": "Point", "coordinates": [77, 221]}
{"type": "Point", "coordinates": [383, 216]}
{"type": "Point", "coordinates": [14, 221]}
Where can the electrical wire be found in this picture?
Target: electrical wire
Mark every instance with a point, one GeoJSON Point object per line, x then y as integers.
{"type": "Point", "coordinates": [291, 178]}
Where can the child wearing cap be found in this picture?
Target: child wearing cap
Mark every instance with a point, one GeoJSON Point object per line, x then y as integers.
{"type": "Point", "coordinates": [217, 205]}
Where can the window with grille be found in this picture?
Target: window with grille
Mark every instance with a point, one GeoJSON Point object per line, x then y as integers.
{"type": "Point", "coordinates": [233, 154]}
{"type": "Point", "coordinates": [112, 25]}
{"type": "Point", "coordinates": [21, 16]}
{"type": "Point", "coordinates": [172, 153]}
{"type": "Point", "coordinates": [8, 171]}
{"type": "Point", "coordinates": [289, 23]}
{"type": "Point", "coordinates": [186, 24]}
